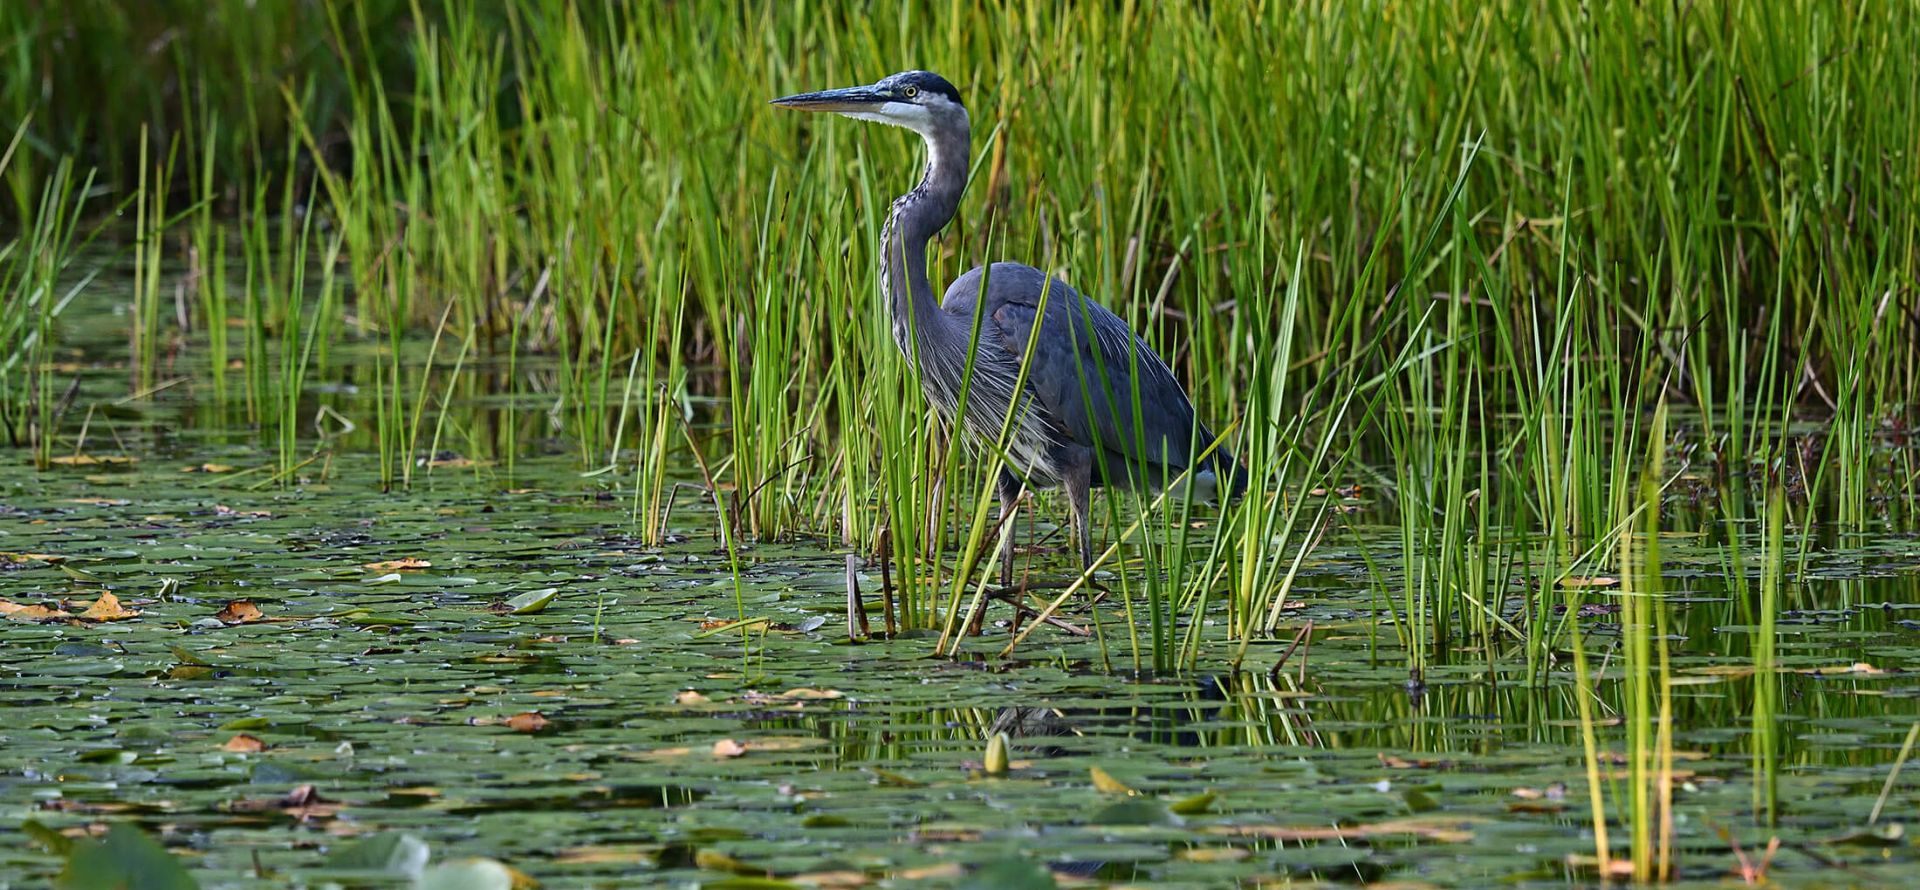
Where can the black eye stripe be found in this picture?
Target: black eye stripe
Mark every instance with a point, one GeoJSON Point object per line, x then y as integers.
{"type": "Point", "coordinates": [913, 85]}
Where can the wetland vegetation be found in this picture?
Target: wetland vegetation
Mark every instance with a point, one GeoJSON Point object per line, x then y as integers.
{"type": "Point", "coordinates": [437, 442]}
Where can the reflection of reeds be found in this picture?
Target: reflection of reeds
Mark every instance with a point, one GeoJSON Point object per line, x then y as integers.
{"type": "Point", "coordinates": [1645, 696]}
{"type": "Point", "coordinates": [1648, 673]}
{"type": "Point", "coordinates": [1766, 677]}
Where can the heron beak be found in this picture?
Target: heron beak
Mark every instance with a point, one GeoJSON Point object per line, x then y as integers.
{"type": "Point", "coordinates": [849, 99]}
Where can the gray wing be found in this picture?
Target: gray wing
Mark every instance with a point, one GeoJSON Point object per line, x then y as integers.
{"type": "Point", "coordinates": [1086, 368]}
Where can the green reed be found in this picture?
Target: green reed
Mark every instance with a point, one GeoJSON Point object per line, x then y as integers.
{"type": "Point", "coordinates": [37, 276]}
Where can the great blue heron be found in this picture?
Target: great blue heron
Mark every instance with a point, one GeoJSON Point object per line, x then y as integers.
{"type": "Point", "coordinates": [1075, 422]}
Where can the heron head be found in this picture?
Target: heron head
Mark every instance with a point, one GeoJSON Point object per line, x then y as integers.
{"type": "Point", "coordinates": [921, 101]}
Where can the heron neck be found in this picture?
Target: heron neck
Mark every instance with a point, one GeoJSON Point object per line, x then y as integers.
{"type": "Point", "coordinates": [916, 217]}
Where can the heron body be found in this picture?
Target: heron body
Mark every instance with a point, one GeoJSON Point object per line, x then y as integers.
{"type": "Point", "coordinates": [1097, 406]}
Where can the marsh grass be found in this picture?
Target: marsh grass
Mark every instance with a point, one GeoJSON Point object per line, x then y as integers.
{"type": "Point", "coordinates": [1449, 253]}
{"type": "Point", "coordinates": [38, 276]}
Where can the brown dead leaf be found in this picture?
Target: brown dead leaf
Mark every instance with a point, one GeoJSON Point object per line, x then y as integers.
{"type": "Point", "coordinates": [99, 502]}
{"type": "Point", "coordinates": [728, 748]}
{"type": "Point", "coordinates": [70, 805]}
{"type": "Point", "coordinates": [786, 743]}
{"type": "Point", "coordinates": [691, 697]}
{"type": "Point", "coordinates": [305, 797]}
{"type": "Point", "coordinates": [239, 612]}
{"type": "Point", "coordinates": [791, 698]}
{"type": "Point", "coordinates": [806, 693]}
{"type": "Point", "coordinates": [396, 565]}
{"type": "Point", "coordinates": [207, 468]}
{"type": "Point", "coordinates": [531, 721]}
{"type": "Point", "coordinates": [1858, 667]}
{"type": "Point", "coordinates": [1555, 791]}
{"type": "Point", "coordinates": [108, 608]}
{"type": "Point", "coordinates": [244, 744]}
{"type": "Point", "coordinates": [455, 462]}
{"type": "Point", "coordinates": [1578, 582]}
{"type": "Point", "coordinates": [31, 557]}
{"type": "Point", "coordinates": [832, 880]}
{"type": "Point", "coordinates": [1391, 762]}
{"type": "Point", "coordinates": [1543, 808]}
{"type": "Point", "coordinates": [18, 612]}
{"type": "Point", "coordinates": [1619, 868]}
{"type": "Point", "coordinates": [303, 803]}
{"type": "Point", "coordinates": [608, 854]}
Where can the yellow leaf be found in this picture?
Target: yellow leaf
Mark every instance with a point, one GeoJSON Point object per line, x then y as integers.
{"type": "Point", "coordinates": [394, 565]}
{"type": "Point", "coordinates": [88, 460]}
{"type": "Point", "coordinates": [714, 860]}
{"type": "Point", "coordinates": [806, 693]}
{"type": "Point", "coordinates": [1214, 854]}
{"type": "Point", "coordinates": [728, 748]}
{"type": "Point", "coordinates": [996, 759]}
{"type": "Point", "coordinates": [521, 880]}
{"type": "Point", "coordinates": [1108, 784]}
{"type": "Point", "coordinates": [1194, 805]}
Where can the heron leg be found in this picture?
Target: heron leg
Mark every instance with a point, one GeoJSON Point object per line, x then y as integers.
{"type": "Point", "coordinates": [1079, 486]}
{"type": "Point", "coordinates": [1008, 486]}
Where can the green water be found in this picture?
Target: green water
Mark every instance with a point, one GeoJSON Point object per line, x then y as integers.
{"type": "Point", "coordinates": [401, 696]}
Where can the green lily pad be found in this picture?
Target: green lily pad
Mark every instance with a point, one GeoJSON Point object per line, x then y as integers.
{"type": "Point", "coordinates": [125, 859]}
{"type": "Point", "coordinates": [389, 852]}
{"type": "Point", "coordinates": [533, 601]}
{"type": "Point", "coordinates": [466, 874]}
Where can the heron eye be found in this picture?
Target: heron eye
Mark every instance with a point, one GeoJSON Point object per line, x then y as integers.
{"type": "Point", "coordinates": [911, 92]}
